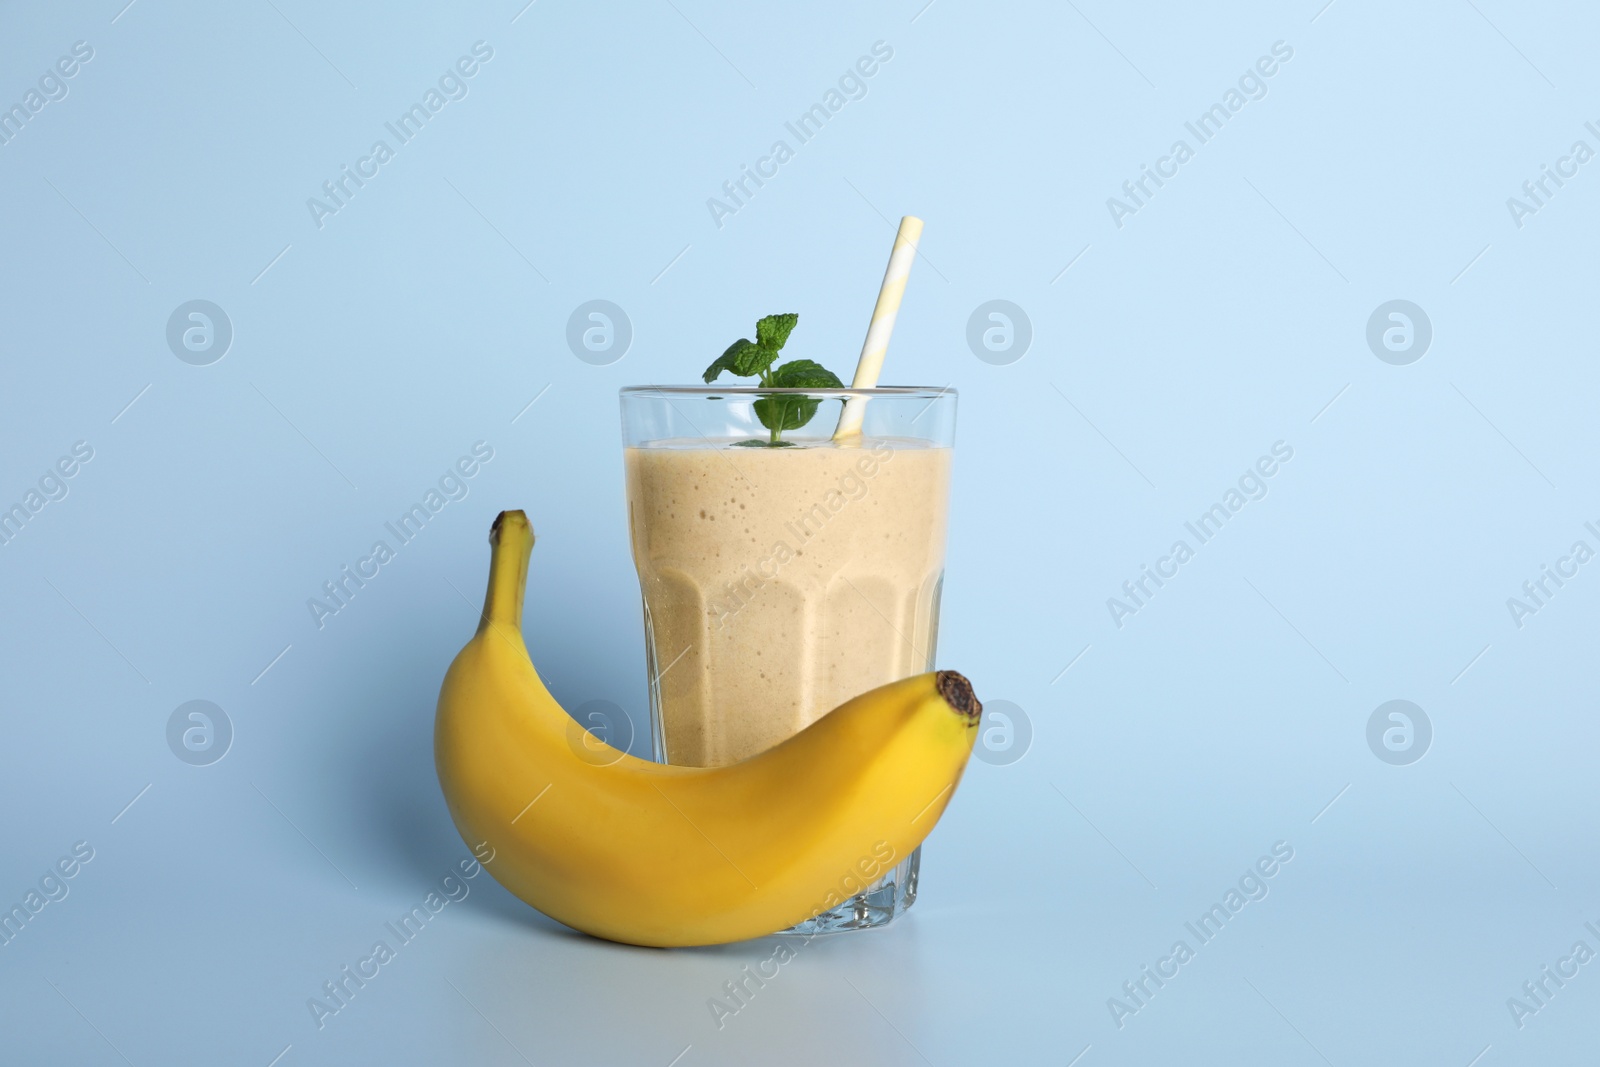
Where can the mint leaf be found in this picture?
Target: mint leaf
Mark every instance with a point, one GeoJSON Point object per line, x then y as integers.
{"type": "Point", "coordinates": [773, 331]}
{"type": "Point", "coordinates": [728, 361]}
{"type": "Point", "coordinates": [754, 359]}
{"type": "Point", "coordinates": [779, 413]}
{"type": "Point", "coordinates": [804, 374]}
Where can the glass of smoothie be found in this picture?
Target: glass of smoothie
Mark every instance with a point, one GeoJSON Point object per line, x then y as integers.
{"type": "Point", "coordinates": [780, 580]}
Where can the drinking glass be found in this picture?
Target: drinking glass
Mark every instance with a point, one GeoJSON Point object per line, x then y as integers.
{"type": "Point", "coordinates": [784, 572]}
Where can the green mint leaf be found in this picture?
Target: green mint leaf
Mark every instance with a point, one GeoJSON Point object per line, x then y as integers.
{"type": "Point", "coordinates": [804, 374]}
{"type": "Point", "coordinates": [779, 413]}
{"type": "Point", "coordinates": [729, 360]}
{"type": "Point", "coordinates": [773, 331]}
{"type": "Point", "coordinates": [752, 360]}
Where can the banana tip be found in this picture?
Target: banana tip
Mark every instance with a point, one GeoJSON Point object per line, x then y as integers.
{"type": "Point", "coordinates": [515, 519]}
{"type": "Point", "coordinates": [957, 692]}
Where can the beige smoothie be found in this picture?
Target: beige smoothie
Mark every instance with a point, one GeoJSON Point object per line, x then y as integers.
{"type": "Point", "coordinates": [780, 582]}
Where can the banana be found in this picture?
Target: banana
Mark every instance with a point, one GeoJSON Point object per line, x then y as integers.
{"type": "Point", "coordinates": [649, 854]}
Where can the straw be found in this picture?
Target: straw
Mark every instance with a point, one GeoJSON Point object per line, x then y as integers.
{"type": "Point", "coordinates": [882, 325]}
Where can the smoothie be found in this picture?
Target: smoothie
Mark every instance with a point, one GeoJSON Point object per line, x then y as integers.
{"type": "Point", "coordinates": [780, 582]}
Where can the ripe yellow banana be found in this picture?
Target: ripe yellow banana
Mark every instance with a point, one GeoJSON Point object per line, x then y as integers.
{"type": "Point", "coordinates": [650, 854]}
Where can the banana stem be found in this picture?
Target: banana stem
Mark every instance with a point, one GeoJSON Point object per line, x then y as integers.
{"type": "Point", "coordinates": [511, 538]}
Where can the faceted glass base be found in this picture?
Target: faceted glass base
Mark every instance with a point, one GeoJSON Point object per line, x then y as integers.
{"type": "Point", "coordinates": [879, 905]}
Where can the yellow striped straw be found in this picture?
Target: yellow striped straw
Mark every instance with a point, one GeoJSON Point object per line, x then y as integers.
{"type": "Point", "coordinates": [881, 327]}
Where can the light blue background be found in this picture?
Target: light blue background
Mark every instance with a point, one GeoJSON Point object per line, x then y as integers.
{"type": "Point", "coordinates": [1229, 313]}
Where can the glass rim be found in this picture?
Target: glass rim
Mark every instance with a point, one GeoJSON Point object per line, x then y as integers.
{"type": "Point", "coordinates": [712, 392]}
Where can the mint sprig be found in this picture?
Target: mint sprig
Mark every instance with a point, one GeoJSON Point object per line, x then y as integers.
{"type": "Point", "coordinates": [754, 359]}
